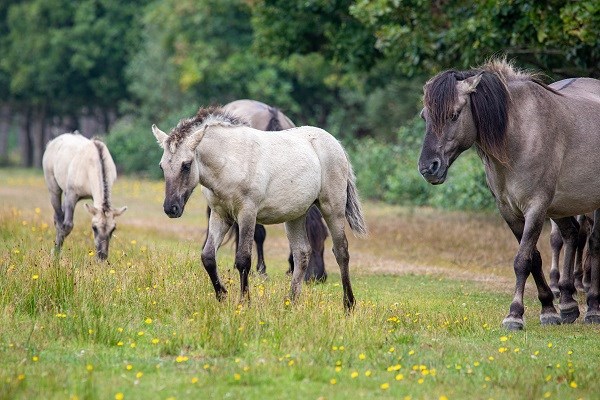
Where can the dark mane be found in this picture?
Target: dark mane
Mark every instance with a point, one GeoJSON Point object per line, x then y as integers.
{"type": "Point", "coordinates": [105, 189]}
{"type": "Point", "coordinates": [490, 102]}
{"type": "Point", "coordinates": [189, 125]}
{"type": "Point", "coordinates": [274, 124]}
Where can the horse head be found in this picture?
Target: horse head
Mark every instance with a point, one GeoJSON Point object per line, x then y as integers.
{"type": "Point", "coordinates": [103, 226]}
{"type": "Point", "coordinates": [180, 169]}
{"type": "Point", "coordinates": [449, 125]}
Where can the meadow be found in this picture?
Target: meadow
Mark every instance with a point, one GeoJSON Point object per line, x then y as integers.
{"type": "Point", "coordinates": [432, 288]}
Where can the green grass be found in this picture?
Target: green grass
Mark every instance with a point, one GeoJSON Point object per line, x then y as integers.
{"type": "Point", "coordinates": [147, 324]}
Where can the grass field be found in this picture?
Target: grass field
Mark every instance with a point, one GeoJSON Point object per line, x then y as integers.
{"type": "Point", "coordinates": [432, 288]}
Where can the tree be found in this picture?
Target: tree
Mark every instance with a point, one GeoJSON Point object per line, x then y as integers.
{"type": "Point", "coordinates": [65, 59]}
{"type": "Point", "coordinates": [559, 37]}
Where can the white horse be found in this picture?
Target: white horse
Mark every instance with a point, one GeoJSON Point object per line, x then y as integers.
{"type": "Point", "coordinates": [250, 177]}
{"type": "Point", "coordinates": [81, 168]}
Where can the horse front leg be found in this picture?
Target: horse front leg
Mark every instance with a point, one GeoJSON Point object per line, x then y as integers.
{"type": "Point", "coordinates": [556, 244]}
{"type": "Point", "coordinates": [528, 260]}
{"type": "Point", "coordinates": [68, 209]}
{"type": "Point", "coordinates": [59, 217]}
{"type": "Point", "coordinates": [243, 255]}
{"type": "Point", "coordinates": [217, 229]}
{"type": "Point", "coordinates": [569, 231]}
{"type": "Point", "coordinates": [592, 316]}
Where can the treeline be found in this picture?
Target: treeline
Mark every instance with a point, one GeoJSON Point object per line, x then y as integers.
{"type": "Point", "coordinates": [353, 67]}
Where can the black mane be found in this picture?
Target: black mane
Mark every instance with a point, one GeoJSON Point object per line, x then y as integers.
{"type": "Point", "coordinates": [105, 189]}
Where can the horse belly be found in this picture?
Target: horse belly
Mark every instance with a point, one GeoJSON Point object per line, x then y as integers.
{"type": "Point", "coordinates": [289, 198]}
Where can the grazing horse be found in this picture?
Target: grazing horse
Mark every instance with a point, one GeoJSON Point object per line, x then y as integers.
{"type": "Point", "coordinates": [81, 168]}
{"type": "Point", "coordinates": [535, 141]}
{"type": "Point", "coordinates": [249, 177]}
{"type": "Point", "coordinates": [580, 273]}
{"type": "Point", "coordinates": [264, 117]}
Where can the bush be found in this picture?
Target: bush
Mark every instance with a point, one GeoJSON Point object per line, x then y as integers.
{"type": "Point", "coordinates": [134, 149]}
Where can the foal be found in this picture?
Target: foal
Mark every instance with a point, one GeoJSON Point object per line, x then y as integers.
{"type": "Point", "coordinates": [81, 168]}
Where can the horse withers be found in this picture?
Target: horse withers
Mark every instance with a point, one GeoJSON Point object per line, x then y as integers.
{"type": "Point", "coordinates": [267, 118]}
{"type": "Point", "coordinates": [80, 168]}
{"type": "Point", "coordinates": [536, 142]}
{"type": "Point", "coordinates": [250, 177]}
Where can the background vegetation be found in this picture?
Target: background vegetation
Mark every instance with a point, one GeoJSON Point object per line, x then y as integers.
{"type": "Point", "coordinates": [353, 67]}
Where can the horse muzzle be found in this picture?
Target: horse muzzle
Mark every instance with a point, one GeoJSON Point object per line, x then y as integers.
{"type": "Point", "coordinates": [433, 172]}
{"type": "Point", "coordinates": [174, 209]}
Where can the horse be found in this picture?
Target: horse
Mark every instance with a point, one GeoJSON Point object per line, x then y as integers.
{"type": "Point", "coordinates": [581, 271]}
{"type": "Point", "coordinates": [81, 168]}
{"type": "Point", "coordinates": [535, 142]}
{"type": "Point", "coordinates": [250, 177]}
{"type": "Point", "coordinates": [264, 117]}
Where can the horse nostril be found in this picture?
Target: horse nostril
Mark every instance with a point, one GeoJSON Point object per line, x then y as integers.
{"type": "Point", "coordinates": [434, 167]}
{"type": "Point", "coordinates": [174, 209]}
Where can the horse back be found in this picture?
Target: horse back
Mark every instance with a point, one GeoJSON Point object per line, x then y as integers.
{"type": "Point", "coordinates": [72, 162]}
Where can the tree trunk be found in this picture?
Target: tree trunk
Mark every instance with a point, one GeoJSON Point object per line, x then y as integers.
{"type": "Point", "coordinates": [5, 120]}
{"type": "Point", "coordinates": [37, 135]}
{"type": "Point", "coordinates": [25, 147]}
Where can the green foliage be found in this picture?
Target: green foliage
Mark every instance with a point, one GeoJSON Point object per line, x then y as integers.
{"type": "Point", "coordinates": [562, 37]}
{"type": "Point", "coordinates": [134, 149]}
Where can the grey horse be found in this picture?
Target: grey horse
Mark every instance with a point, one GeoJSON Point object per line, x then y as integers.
{"type": "Point", "coordinates": [536, 142]}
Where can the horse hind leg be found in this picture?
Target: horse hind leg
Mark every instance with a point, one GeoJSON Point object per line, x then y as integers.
{"type": "Point", "coordinates": [300, 246]}
{"type": "Point", "coordinates": [260, 234]}
{"type": "Point", "coordinates": [243, 254]}
{"type": "Point", "coordinates": [592, 315]}
{"type": "Point", "coordinates": [317, 233]}
{"type": "Point", "coordinates": [584, 232]}
{"type": "Point", "coordinates": [336, 219]}
{"type": "Point", "coordinates": [569, 309]}
{"type": "Point", "coordinates": [556, 244]}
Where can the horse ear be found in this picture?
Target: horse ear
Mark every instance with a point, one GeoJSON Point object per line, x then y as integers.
{"type": "Point", "coordinates": [119, 211]}
{"type": "Point", "coordinates": [470, 84]}
{"type": "Point", "coordinates": [91, 209]}
{"type": "Point", "coordinates": [159, 135]}
{"type": "Point", "coordinates": [196, 137]}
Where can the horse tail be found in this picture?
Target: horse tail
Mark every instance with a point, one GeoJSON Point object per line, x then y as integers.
{"type": "Point", "coordinates": [354, 214]}
{"type": "Point", "coordinates": [274, 124]}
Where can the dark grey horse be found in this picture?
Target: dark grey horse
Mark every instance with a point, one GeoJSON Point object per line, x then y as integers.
{"type": "Point", "coordinates": [266, 118]}
{"type": "Point", "coordinates": [536, 142]}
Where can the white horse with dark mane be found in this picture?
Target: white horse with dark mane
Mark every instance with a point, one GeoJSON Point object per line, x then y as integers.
{"type": "Point", "coordinates": [251, 177]}
{"type": "Point", "coordinates": [81, 168]}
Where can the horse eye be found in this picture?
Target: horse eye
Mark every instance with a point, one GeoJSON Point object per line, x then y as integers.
{"type": "Point", "coordinates": [455, 116]}
{"type": "Point", "coordinates": [95, 229]}
{"type": "Point", "coordinates": [160, 166]}
{"type": "Point", "coordinates": [185, 167]}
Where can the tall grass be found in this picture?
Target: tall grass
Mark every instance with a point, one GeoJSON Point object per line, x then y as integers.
{"type": "Point", "coordinates": [147, 324]}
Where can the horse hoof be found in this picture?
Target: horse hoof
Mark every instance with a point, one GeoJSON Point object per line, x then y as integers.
{"type": "Point", "coordinates": [221, 295]}
{"type": "Point", "coordinates": [513, 324]}
{"type": "Point", "coordinates": [593, 318]}
{"type": "Point", "coordinates": [550, 319]}
{"type": "Point", "coordinates": [569, 312]}
{"type": "Point", "coordinates": [570, 315]}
